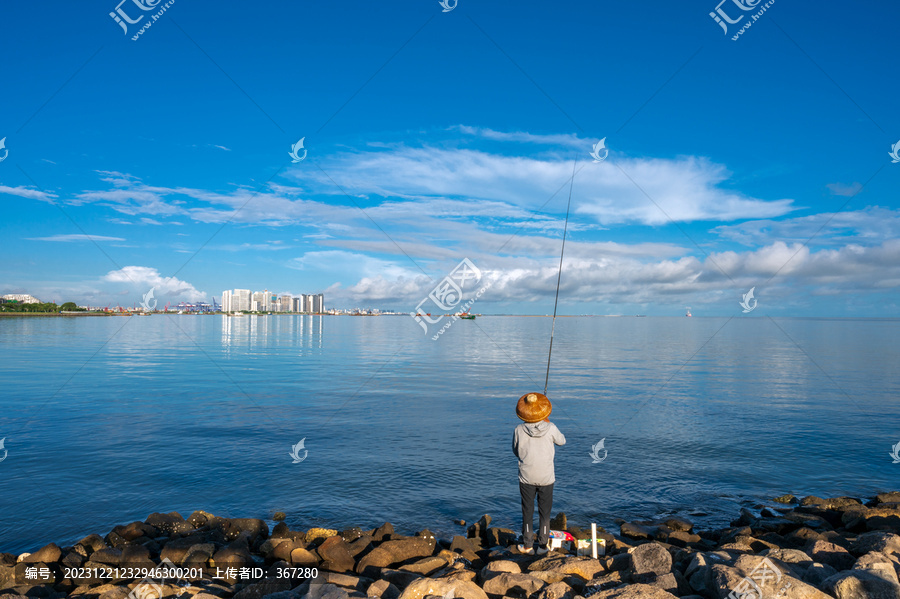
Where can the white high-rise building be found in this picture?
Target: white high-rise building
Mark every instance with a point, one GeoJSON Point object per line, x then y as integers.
{"type": "Point", "coordinates": [318, 303]}
{"type": "Point", "coordinates": [286, 302]}
{"type": "Point", "coordinates": [226, 301]}
{"type": "Point", "coordinates": [257, 301]}
{"type": "Point", "coordinates": [241, 300]}
{"type": "Point", "coordinates": [301, 303]}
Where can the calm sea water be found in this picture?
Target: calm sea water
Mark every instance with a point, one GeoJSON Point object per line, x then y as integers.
{"type": "Point", "coordinates": [109, 419]}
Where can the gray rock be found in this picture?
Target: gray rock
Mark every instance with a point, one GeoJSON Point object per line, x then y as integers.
{"type": "Point", "coordinates": [885, 542]}
{"type": "Point", "coordinates": [425, 566]}
{"type": "Point", "coordinates": [679, 524]}
{"type": "Point", "coordinates": [607, 581]}
{"type": "Point", "coordinates": [789, 556]}
{"type": "Point", "coordinates": [513, 585]}
{"type": "Point", "coordinates": [383, 589]}
{"type": "Point", "coordinates": [860, 584]}
{"type": "Point", "coordinates": [389, 553]}
{"type": "Point", "coordinates": [650, 558]}
{"type": "Point", "coordinates": [817, 573]}
{"type": "Point", "coordinates": [556, 590]}
{"type": "Point", "coordinates": [879, 564]}
{"type": "Point", "coordinates": [666, 582]}
{"type": "Point", "coordinates": [461, 589]}
{"type": "Point", "coordinates": [47, 554]}
{"type": "Point", "coordinates": [584, 567]}
{"type": "Point", "coordinates": [108, 555]}
{"type": "Point", "coordinates": [383, 532]}
{"type": "Point", "coordinates": [633, 530]}
{"type": "Point", "coordinates": [335, 554]}
{"type": "Point", "coordinates": [399, 578]}
{"type": "Point", "coordinates": [828, 553]}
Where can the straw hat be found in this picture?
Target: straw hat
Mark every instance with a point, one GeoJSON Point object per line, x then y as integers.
{"type": "Point", "coordinates": [533, 407]}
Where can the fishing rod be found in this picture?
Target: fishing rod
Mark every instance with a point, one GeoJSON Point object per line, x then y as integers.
{"type": "Point", "coordinates": [559, 276]}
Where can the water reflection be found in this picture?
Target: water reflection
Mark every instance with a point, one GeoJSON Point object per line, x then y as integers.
{"type": "Point", "coordinates": [270, 330]}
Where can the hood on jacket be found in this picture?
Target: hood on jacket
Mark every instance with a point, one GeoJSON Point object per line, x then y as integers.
{"type": "Point", "coordinates": [537, 429]}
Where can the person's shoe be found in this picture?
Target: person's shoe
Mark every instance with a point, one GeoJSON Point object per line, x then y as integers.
{"type": "Point", "coordinates": [525, 550]}
{"type": "Point", "coordinates": [543, 550]}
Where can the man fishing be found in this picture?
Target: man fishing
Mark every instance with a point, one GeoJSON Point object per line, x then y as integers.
{"type": "Point", "coordinates": [534, 443]}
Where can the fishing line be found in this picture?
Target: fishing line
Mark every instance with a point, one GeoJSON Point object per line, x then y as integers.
{"type": "Point", "coordinates": [559, 276]}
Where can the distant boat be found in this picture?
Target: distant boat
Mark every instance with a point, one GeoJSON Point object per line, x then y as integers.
{"type": "Point", "coordinates": [688, 313]}
{"type": "Point", "coordinates": [236, 313]}
{"type": "Point", "coordinates": [467, 316]}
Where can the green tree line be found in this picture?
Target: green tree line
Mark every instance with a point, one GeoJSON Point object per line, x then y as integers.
{"type": "Point", "coordinates": [14, 306]}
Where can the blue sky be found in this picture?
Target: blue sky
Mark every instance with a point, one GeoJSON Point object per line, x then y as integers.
{"type": "Point", "coordinates": [435, 136]}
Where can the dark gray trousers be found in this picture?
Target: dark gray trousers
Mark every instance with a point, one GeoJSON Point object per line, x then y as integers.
{"type": "Point", "coordinates": [545, 505]}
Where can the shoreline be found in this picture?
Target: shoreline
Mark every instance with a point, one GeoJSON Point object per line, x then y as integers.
{"type": "Point", "coordinates": [809, 548]}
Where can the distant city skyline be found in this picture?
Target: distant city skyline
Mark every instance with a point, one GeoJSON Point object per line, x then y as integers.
{"type": "Point", "coordinates": [245, 300]}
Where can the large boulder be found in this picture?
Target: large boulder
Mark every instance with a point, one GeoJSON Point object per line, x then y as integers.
{"type": "Point", "coordinates": [513, 585]}
{"type": "Point", "coordinates": [828, 553]}
{"type": "Point", "coordinates": [167, 523]}
{"type": "Point", "coordinates": [390, 553]}
{"type": "Point", "coordinates": [879, 564]}
{"type": "Point", "coordinates": [335, 554]}
{"type": "Point", "coordinates": [442, 587]}
{"type": "Point", "coordinates": [650, 558]}
{"type": "Point", "coordinates": [585, 568]}
{"type": "Point", "coordinates": [425, 566]}
{"type": "Point", "coordinates": [789, 556]}
{"type": "Point", "coordinates": [47, 554]}
{"type": "Point", "coordinates": [556, 590]}
{"type": "Point", "coordinates": [862, 519]}
{"type": "Point", "coordinates": [885, 542]}
{"type": "Point", "coordinates": [726, 580]}
{"type": "Point", "coordinates": [861, 584]}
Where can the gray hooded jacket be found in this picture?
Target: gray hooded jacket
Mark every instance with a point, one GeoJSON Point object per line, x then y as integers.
{"type": "Point", "coordinates": [534, 445]}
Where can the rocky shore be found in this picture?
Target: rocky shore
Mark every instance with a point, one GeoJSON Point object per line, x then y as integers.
{"type": "Point", "coordinates": [810, 548]}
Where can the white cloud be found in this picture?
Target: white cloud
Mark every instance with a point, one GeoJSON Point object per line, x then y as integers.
{"type": "Point", "coordinates": [26, 192]}
{"type": "Point", "coordinates": [613, 192]}
{"type": "Point", "coordinates": [142, 278]}
{"type": "Point", "coordinates": [869, 225]}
